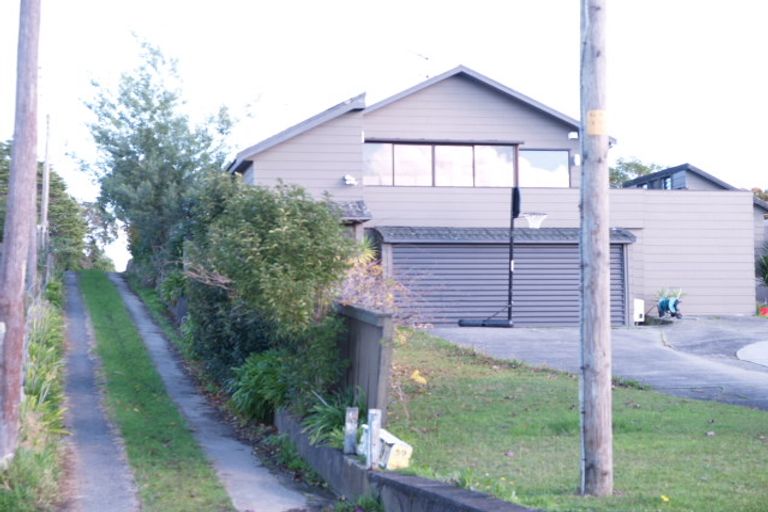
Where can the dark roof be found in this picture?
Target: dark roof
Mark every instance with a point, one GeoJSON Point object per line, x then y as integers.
{"type": "Point", "coordinates": [674, 170]}
{"type": "Point", "coordinates": [354, 211]}
{"type": "Point", "coordinates": [443, 235]}
{"type": "Point", "coordinates": [355, 103]}
{"type": "Point", "coordinates": [693, 170]}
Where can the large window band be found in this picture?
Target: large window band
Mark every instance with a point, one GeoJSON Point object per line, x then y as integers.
{"type": "Point", "coordinates": [461, 165]}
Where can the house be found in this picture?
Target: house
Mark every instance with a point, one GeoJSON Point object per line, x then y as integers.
{"type": "Point", "coordinates": [688, 177]}
{"type": "Point", "coordinates": [427, 172]}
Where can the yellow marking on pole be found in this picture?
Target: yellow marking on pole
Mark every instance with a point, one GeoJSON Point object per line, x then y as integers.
{"type": "Point", "coordinates": [597, 122]}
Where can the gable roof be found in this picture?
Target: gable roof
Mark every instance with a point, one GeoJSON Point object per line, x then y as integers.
{"type": "Point", "coordinates": [240, 163]}
{"type": "Point", "coordinates": [686, 167]}
{"type": "Point", "coordinates": [474, 75]}
{"type": "Point", "coordinates": [448, 235]}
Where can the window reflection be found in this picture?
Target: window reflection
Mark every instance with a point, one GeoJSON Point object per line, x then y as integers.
{"type": "Point", "coordinates": [453, 166]}
{"type": "Point", "coordinates": [413, 165]}
{"type": "Point", "coordinates": [543, 168]}
{"type": "Point", "coordinates": [377, 164]}
{"type": "Point", "coordinates": [494, 166]}
{"type": "Point", "coordinates": [462, 165]}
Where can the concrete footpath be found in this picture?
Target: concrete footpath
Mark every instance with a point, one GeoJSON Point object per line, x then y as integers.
{"type": "Point", "coordinates": [102, 477]}
{"type": "Point", "coordinates": [696, 357]}
{"type": "Point", "coordinates": [251, 486]}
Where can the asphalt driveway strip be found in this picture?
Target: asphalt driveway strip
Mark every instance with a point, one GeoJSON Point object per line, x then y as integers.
{"type": "Point", "coordinates": [694, 357]}
{"type": "Point", "coordinates": [102, 479]}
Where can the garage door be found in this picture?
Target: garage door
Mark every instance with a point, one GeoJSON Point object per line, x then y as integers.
{"type": "Point", "coordinates": [448, 282]}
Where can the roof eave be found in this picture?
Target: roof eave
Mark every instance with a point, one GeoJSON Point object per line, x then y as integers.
{"type": "Point", "coordinates": [458, 70]}
{"type": "Point", "coordinates": [678, 168]}
{"type": "Point", "coordinates": [352, 104]}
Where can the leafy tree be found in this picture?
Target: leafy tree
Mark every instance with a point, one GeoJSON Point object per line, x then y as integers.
{"type": "Point", "coordinates": [628, 169]}
{"type": "Point", "coordinates": [150, 156]}
{"type": "Point", "coordinates": [760, 194]}
{"type": "Point", "coordinates": [102, 230]}
{"type": "Point", "coordinates": [67, 225]}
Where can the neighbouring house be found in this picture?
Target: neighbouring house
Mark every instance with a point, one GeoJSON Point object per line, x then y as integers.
{"type": "Point", "coordinates": [688, 177]}
{"type": "Point", "coordinates": [427, 172]}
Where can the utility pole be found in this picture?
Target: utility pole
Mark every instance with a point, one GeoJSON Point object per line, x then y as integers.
{"type": "Point", "coordinates": [44, 204]}
{"type": "Point", "coordinates": [595, 382]}
{"type": "Point", "coordinates": [20, 217]}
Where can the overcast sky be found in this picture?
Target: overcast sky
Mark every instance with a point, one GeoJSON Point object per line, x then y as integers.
{"type": "Point", "coordinates": [687, 79]}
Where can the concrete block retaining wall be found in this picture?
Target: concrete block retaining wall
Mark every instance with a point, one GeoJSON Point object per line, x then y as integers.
{"type": "Point", "coordinates": [398, 493]}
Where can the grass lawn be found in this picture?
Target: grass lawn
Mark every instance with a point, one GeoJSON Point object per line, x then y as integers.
{"type": "Point", "coordinates": [513, 431]}
{"type": "Point", "coordinates": [170, 469]}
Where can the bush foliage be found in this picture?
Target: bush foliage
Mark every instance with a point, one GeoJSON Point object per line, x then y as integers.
{"type": "Point", "coordinates": [150, 157]}
{"type": "Point", "coordinates": [278, 251]}
{"type": "Point", "coordinates": [66, 221]}
{"type": "Point", "coordinates": [256, 267]}
{"type": "Point", "coordinates": [32, 481]}
{"type": "Point", "coordinates": [762, 265]}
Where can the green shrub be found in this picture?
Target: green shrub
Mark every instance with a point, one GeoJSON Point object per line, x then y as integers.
{"type": "Point", "coordinates": [278, 251]}
{"type": "Point", "coordinates": [314, 363]}
{"type": "Point", "coordinates": [43, 381]}
{"type": "Point", "coordinates": [222, 332]}
{"type": "Point", "coordinates": [31, 482]}
{"type": "Point", "coordinates": [295, 373]}
{"type": "Point", "coordinates": [54, 292]}
{"type": "Point", "coordinates": [259, 386]}
{"type": "Point", "coordinates": [325, 421]}
{"type": "Point", "coordinates": [363, 504]}
{"type": "Point", "coordinates": [762, 269]}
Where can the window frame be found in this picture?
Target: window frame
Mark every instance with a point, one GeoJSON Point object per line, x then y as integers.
{"type": "Point", "coordinates": [433, 143]}
{"type": "Point", "coordinates": [517, 145]}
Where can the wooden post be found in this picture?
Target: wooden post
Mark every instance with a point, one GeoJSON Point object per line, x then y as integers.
{"type": "Point", "coordinates": [19, 220]}
{"type": "Point", "coordinates": [595, 382]}
{"type": "Point", "coordinates": [350, 431]}
{"type": "Point", "coordinates": [44, 200]}
{"type": "Point", "coordinates": [374, 439]}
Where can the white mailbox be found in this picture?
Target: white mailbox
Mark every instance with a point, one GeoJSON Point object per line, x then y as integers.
{"type": "Point", "coordinates": [395, 453]}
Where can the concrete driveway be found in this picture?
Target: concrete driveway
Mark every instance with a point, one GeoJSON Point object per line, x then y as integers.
{"type": "Point", "coordinates": [694, 357]}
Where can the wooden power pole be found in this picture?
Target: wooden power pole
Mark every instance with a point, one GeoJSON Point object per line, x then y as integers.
{"type": "Point", "coordinates": [19, 220]}
{"type": "Point", "coordinates": [45, 197]}
{"type": "Point", "coordinates": [595, 382]}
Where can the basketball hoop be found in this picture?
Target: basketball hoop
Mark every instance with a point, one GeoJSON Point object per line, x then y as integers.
{"type": "Point", "coordinates": [534, 219]}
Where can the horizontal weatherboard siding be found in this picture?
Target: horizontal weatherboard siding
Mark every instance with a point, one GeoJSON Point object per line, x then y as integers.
{"type": "Point", "coordinates": [700, 241]}
{"type": "Point", "coordinates": [317, 159]}
{"type": "Point", "coordinates": [461, 109]}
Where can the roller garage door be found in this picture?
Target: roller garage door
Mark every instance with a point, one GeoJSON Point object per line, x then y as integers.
{"type": "Point", "coordinates": [450, 279]}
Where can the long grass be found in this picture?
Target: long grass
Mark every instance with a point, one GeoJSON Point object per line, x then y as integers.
{"type": "Point", "coordinates": [171, 471]}
{"type": "Point", "coordinates": [513, 431]}
{"type": "Point", "coordinates": [33, 479]}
